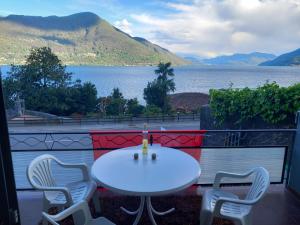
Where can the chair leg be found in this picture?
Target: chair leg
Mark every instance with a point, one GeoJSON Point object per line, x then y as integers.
{"type": "Point", "coordinates": [78, 218]}
{"type": "Point", "coordinates": [247, 220]}
{"type": "Point", "coordinates": [96, 202]}
{"type": "Point", "coordinates": [46, 207]}
{"type": "Point", "coordinates": [237, 222]}
{"type": "Point", "coordinates": [206, 218]}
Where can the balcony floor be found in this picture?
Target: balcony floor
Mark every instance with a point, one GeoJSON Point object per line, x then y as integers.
{"type": "Point", "coordinates": [279, 207]}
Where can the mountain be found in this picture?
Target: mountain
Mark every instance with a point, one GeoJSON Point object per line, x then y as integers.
{"type": "Point", "coordinates": [250, 59]}
{"type": "Point", "coordinates": [78, 39]}
{"type": "Point", "coordinates": [192, 58]}
{"type": "Point", "coordinates": [288, 59]}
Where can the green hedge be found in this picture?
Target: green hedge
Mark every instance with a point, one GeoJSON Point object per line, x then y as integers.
{"type": "Point", "coordinates": [270, 102]}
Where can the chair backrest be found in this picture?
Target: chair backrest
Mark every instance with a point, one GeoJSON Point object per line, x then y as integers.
{"type": "Point", "coordinates": [260, 184]}
{"type": "Point", "coordinates": [39, 171]}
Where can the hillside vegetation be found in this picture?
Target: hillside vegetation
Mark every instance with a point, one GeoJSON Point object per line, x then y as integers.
{"type": "Point", "coordinates": [78, 39]}
{"type": "Point", "coordinates": [288, 59]}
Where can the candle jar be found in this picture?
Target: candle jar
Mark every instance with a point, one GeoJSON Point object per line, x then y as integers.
{"type": "Point", "coordinates": [153, 156]}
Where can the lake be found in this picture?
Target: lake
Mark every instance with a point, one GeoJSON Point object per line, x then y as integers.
{"type": "Point", "coordinates": [132, 80]}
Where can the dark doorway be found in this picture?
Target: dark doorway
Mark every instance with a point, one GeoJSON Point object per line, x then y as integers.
{"type": "Point", "coordinates": [9, 212]}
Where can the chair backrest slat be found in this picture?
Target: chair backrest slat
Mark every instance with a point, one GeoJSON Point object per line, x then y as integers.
{"type": "Point", "coordinates": [39, 171]}
{"type": "Point", "coordinates": [260, 184]}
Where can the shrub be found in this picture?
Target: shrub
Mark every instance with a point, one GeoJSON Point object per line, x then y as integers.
{"type": "Point", "coordinates": [270, 102]}
{"type": "Point", "coordinates": [151, 110]}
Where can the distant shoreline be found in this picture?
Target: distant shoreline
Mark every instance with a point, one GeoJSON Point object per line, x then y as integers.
{"type": "Point", "coordinates": [154, 65]}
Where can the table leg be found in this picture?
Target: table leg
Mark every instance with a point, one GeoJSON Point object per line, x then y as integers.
{"type": "Point", "coordinates": [139, 211]}
{"type": "Point", "coordinates": [151, 210]}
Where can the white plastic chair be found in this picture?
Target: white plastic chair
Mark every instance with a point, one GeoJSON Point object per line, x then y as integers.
{"type": "Point", "coordinates": [222, 204]}
{"type": "Point", "coordinates": [84, 208]}
{"type": "Point", "coordinates": [40, 176]}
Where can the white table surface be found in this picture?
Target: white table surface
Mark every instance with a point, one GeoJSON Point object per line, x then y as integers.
{"type": "Point", "coordinates": [172, 171]}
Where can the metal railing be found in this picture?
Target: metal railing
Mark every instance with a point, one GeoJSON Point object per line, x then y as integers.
{"type": "Point", "coordinates": [84, 146]}
{"type": "Point", "coordinates": [212, 138]}
{"type": "Point", "coordinates": [103, 120]}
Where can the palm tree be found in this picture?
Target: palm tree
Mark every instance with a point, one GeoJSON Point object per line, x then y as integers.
{"type": "Point", "coordinates": [164, 70]}
{"type": "Point", "coordinates": [157, 91]}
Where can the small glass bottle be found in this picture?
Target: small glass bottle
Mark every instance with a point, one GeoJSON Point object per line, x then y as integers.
{"type": "Point", "coordinates": [145, 140]}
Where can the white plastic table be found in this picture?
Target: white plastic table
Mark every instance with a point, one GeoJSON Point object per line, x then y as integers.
{"type": "Point", "coordinates": [172, 171]}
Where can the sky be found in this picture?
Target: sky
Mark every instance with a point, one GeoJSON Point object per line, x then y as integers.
{"type": "Point", "coordinates": [204, 28]}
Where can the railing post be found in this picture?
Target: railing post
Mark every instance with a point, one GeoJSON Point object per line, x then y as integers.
{"type": "Point", "coordinates": [294, 174]}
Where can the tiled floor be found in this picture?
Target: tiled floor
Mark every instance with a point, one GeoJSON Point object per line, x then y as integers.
{"type": "Point", "coordinates": [279, 207]}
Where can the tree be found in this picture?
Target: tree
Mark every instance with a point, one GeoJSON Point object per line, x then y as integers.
{"type": "Point", "coordinates": [7, 100]}
{"type": "Point", "coordinates": [42, 72]}
{"type": "Point", "coordinates": [46, 68]}
{"type": "Point", "coordinates": [115, 103]}
{"type": "Point", "coordinates": [116, 94]}
{"type": "Point", "coordinates": [45, 86]}
{"type": "Point", "coordinates": [83, 98]}
{"type": "Point", "coordinates": [164, 70]}
{"type": "Point", "coordinates": [156, 92]}
{"type": "Point", "coordinates": [134, 108]}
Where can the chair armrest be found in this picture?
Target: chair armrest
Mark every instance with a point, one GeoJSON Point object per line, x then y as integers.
{"type": "Point", "coordinates": [220, 175]}
{"type": "Point", "coordinates": [80, 206]}
{"type": "Point", "coordinates": [49, 218]}
{"type": "Point", "coordinates": [82, 166]}
{"type": "Point", "coordinates": [64, 190]}
{"type": "Point", "coordinates": [222, 200]}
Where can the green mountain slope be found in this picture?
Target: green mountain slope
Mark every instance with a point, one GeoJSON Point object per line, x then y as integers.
{"type": "Point", "coordinates": [288, 59]}
{"type": "Point", "coordinates": [78, 39]}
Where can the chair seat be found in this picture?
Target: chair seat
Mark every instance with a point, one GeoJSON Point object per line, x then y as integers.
{"type": "Point", "coordinates": [101, 221]}
{"type": "Point", "coordinates": [230, 210]}
{"type": "Point", "coordinates": [79, 191]}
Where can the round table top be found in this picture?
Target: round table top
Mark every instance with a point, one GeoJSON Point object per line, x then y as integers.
{"type": "Point", "coordinates": [173, 170]}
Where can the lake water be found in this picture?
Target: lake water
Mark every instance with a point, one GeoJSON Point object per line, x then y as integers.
{"type": "Point", "coordinates": [132, 80]}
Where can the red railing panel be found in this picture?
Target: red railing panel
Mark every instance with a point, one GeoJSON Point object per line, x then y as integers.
{"type": "Point", "coordinates": [106, 140]}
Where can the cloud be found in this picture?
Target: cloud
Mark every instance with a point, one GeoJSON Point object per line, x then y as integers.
{"type": "Point", "coordinates": [213, 27]}
{"type": "Point", "coordinates": [124, 25]}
